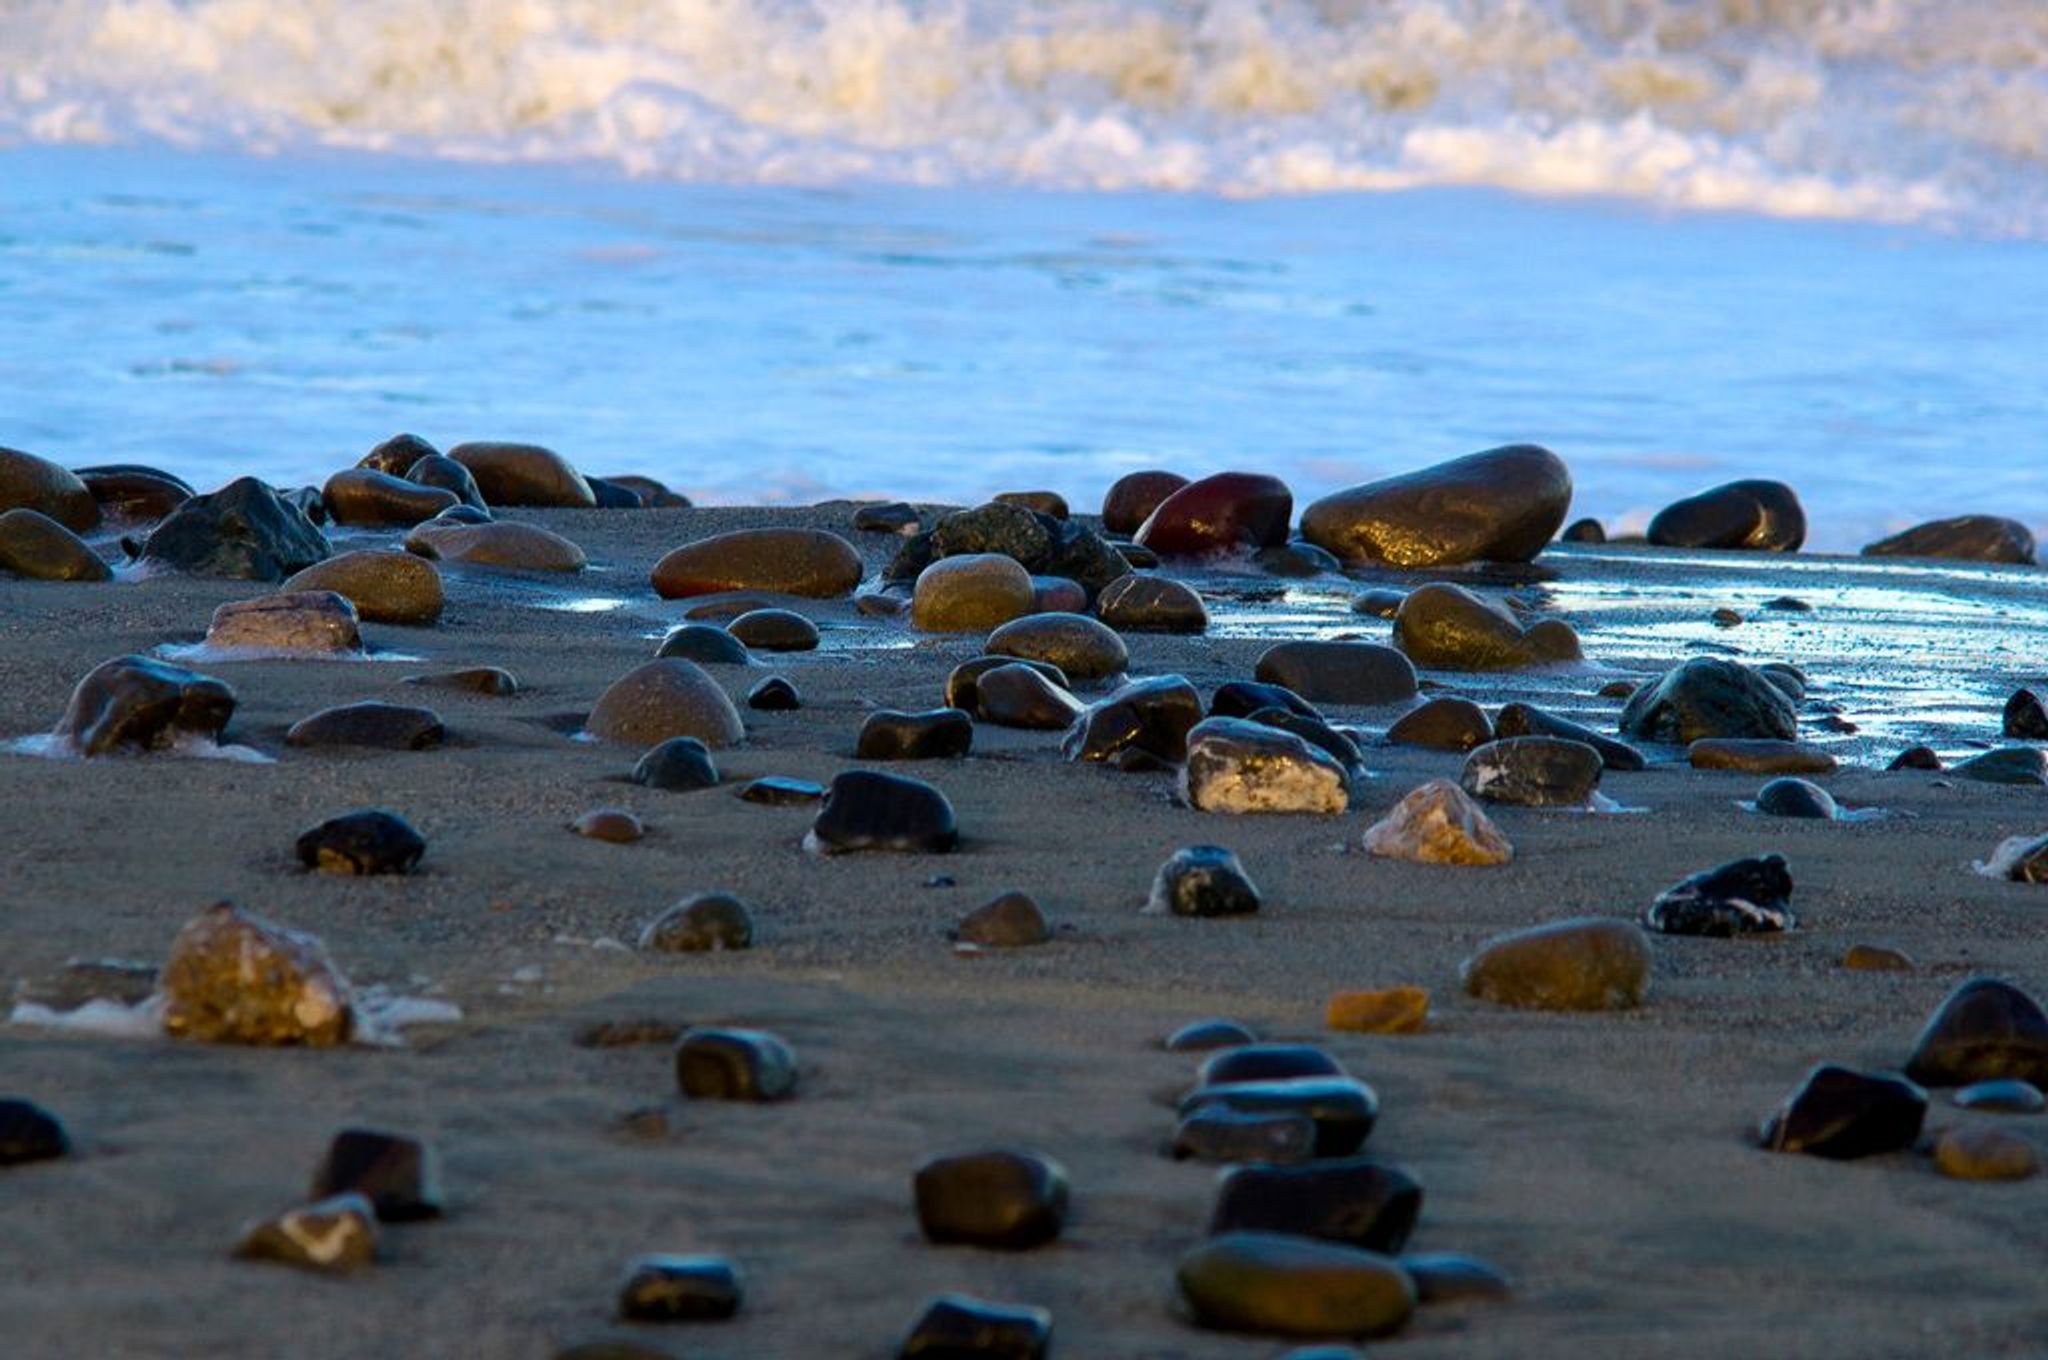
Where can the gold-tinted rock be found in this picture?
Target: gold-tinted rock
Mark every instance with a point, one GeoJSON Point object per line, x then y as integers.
{"type": "Point", "coordinates": [1584, 964]}
{"type": "Point", "coordinates": [1438, 823]}
{"type": "Point", "coordinates": [1389, 1010]}
{"type": "Point", "coordinates": [807, 562]}
{"type": "Point", "coordinates": [384, 586]}
{"type": "Point", "coordinates": [969, 593]}
{"type": "Point", "coordinates": [1985, 1155]}
{"type": "Point", "coordinates": [1450, 628]}
{"type": "Point", "coordinates": [501, 543]}
{"type": "Point", "coordinates": [34, 545]}
{"type": "Point", "coordinates": [297, 623]}
{"type": "Point", "coordinates": [335, 1234]}
{"type": "Point", "coordinates": [39, 484]}
{"type": "Point", "coordinates": [235, 978]}
{"type": "Point", "coordinates": [523, 474]}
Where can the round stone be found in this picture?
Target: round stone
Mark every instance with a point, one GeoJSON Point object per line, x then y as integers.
{"type": "Point", "coordinates": [1709, 696]}
{"type": "Point", "coordinates": [384, 586]}
{"type": "Point", "coordinates": [442, 473]}
{"type": "Point", "coordinates": [1019, 696]}
{"type": "Point", "coordinates": [704, 643]}
{"type": "Point", "coordinates": [370, 724]}
{"type": "Point", "coordinates": [775, 695]}
{"type": "Point", "coordinates": [1584, 964]}
{"type": "Point", "coordinates": [937, 734]}
{"type": "Point", "coordinates": [1279, 1285]}
{"type": "Point", "coordinates": [36, 546]}
{"type": "Point", "coordinates": [33, 483]}
{"type": "Point", "coordinates": [501, 543]}
{"type": "Point", "coordinates": [678, 765]}
{"type": "Point", "coordinates": [1133, 497]}
{"type": "Point", "coordinates": [371, 499]}
{"type": "Point", "coordinates": [1004, 1199]}
{"type": "Point", "coordinates": [1297, 560]}
{"type": "Point", "coordinates": [1584, 531]}
{"type": "Point", "coordinates": [970, 593]}
{"type": "Point", "coordinates": [1203, 880]}
{"type": "Point", "coordinates": [1341, 1109]}
{"type": "Point", "coordinates": [1223, 513]}
{"type": "Point", "coordinates": [959, 1327]}
{"type": "Point", "coordinates": [372, 841]}
{"type": "Point", "coordinates": [869, 810]}
{"type": "Point", "coordinates": [523, 474]}
{"type": "Point", "coordinates": [128, 491]}
{"type": "Point", "coordinates": [1450, 628]}
{"type": "Point", "coordinates": [1447, 1277]}
{"type": "Point", "coordinates": [700, 924]}
{"type": "Point", "coordinates": [1217, 1134]}
{"type": "Point", "coordinates": [1984, 1155]}
{"type": "Point", "coordinates": [1841, 1113]}
{"type": "Point", "coordinates": [1083, 648]}
{"type": "Point", "coordinates": [30, 1133]}
{"type": "Point", "coordinates": [1756, 515]}
{"type": "Point", "coordinates": [662, 699]}
{"type": "Point", "coordinates": [652, 494]}
{"type": "Point", "coordinates": [2023, 765]}
{"type": "Point", "coordinates": [775, 790]}
{"type": "Point", "coordinates": [1872, 958]}
{"type": "Point", "coordinates": [775, 630]}
{"type": "Point", "coordinates": [1503, 505]}
{"type": "Point", "coordinates": [807, 562]}
{"type": "Point", "coordinates": [1151, 604]}
{"type": "Point", "coordinates": [398, 455]}
{"type": "Point", "coordinates": [1445, 723]}
{"type": "Point", "coordinates": [1796, 798]}
{"type": "Point", "coordinates": [301, 623]}
{"type": "Point", "coordinates": [609, 824]}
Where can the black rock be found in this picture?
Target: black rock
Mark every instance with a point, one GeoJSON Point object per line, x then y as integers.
{"type": "Point", "coordinates": [1985, 1029]}
{"type": "Point", "coordinates": [1012, 1200]}
{"type": "Point", "coordinates": [371, 841]}
{"type": "Point", "coordinates": [1584, 531]}
{"type": "Point", "coordinates": [1532, 771]}
{"type": "Point", "coordinates": [1840, 1113]}
{"type": "Point", "coordinates": [1203, 880]}
{"type": "Point", "coordinates": [1010, 530]}
{"type": "Point", "coordinates": [1742, 897]}
{"type": "Point", "coordinates": [370, 723]}
{"type": "Point", "coordinates": [139, 703]}
{"type": "Point", "coordinates": [917, 553]}
{"type": "Point", "coordinates": [1151, 604]}
{"type": "Point", "coordinates": [680, 1289]}
{"type": "Point", "coordinates": [1150, 718]}
{"type": "Point", "coordinates": [2024, 717]}
{"type": "Point", "coordinates": [1343, 1108]}
{"type": "Point", "coordinates": [893, 518]}
{"type": "Point", "coordinates": [734, 1064]}
{"type": "Point", "coordinates": [1794, 797]}
{"type": "Point", "coordinates": [699, 924]}
{"type": "Point", "coordinates": [1243, 698]}
{"type": "Point", "coordinates": [1788, 604]}
{"type": "Point", "coordinates": [1021, 696]}
{"type": "Point", "coordinates": [776, 790]}
{"type": "Point", "coordinates": [400, 1176]}
{"type": "Point", "coordinates": [1218, 1134]}
{"type": "Point", "coordinates": [1379, 604]}
{"type": "Point", "coordinates": [1445, 723]}
{"type": "Point", "coordinates": [29, 1133]}
{"type": "Point", "coordinates": [621, 1348]}
{"type": "Point", "coordinates": [956, 1327]}
{"type": "Point", "coordinates": [1363, 673]}
{"type": "Point", "coordinates": [438, 470]}
{"type": "Point", "coordinates": [774, 694]}
{"type": "Point", "coordinates": [1446, 1277]}
{"type": "Point", "coordinates": [704, 643]}
{"type": "Point", "coordinates": [1710, 696]}
{"type": "Point", "coordinates": [245, 530]}
{"type": "Point", "coordinates": [1916, 758]}
{"type": "Point", "coordinates": [2007, 765]}
{"type": "Point", "coordinates": [1763, 516]}
{"type": "Point", "coordinates": [1085, 557]}
{"type": "Point", "coordinates": [1200, 1035]}
{"type": "Point", "coordinates": [1972, 538]}
{"type": "Point", "coordinates": [1267, 1062]}
{"type": "Point", "coordinates": [679, 765]}
{"type": "Point", "coordinates": [775, 630]}
{"type": "Point", "coordinates": [869, 810]}
{"type": "Point", "coordinates": [1296, 559]}
{"type": "Point", "coordinates": [963, 682]}
{"type": "Point", "coordinates": [936, 734]}
{"type": "Point", "coordinates": [1524, 720]}
{"type": "Point", "coordinates": [612, 496]}
{"type": "Point", "coordinates": [1354, 1200]}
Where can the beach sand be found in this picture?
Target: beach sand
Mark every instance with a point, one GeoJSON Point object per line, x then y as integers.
{"type": "Point", "coordinates": [1606, 1162]}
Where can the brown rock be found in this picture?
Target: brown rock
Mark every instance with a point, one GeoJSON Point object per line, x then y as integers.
{"type": "Point", "coordinates": [384, 586]}
{"type": "Point", "coordinates": [1133, 497]}
{"type": "Point", "coordinates": [969, 593]}
{"type": "Point", "coordinates": [1502, 505]}
{"type": "Point", "coordinates": [1450, 628]}
{"type": "Point", "coordinates": [1018, 695]}
{"type": "Point", "coordinates": [1758, 755]}
{"type": "Point", "coordinates": [490, 680]}
{"type": "Point", "coordinates": [609, 824]}
{"type": "Point", "coordinates": [775, 630]}
{"type": "Point", "coordinates": [235, 978]}
{"type": "Point", "coordinates": [1390, 1010]}
{"type": "Point", "coordinates": [1438, 824]}
{"type": "Point", "coordinates": [1057, 595]}
{"type": "Point", "coordinates": [1009, 922]}
{"type": "Point", "coordinates": [1281, 1285]}
{"type": "Point", "coordinates": [369, 723]}
{"type": "Point", "coordinates": [1080, 646]}
{"type": "Point", "coordinates": [502, 543]}
{"type": "Point", "coordinates": [363, 496]}
{"type": "Point", "coordinates": [1362, 673]}
{"type": "Point", "coordinates": [1151, 604]}
{"type": "Point", "coordinates": [139, 703]}
{"type": "Point", "coordinates": [1445, 723]}
{"type": "Point", "coordinates": [654, 495]}
{"type": "Point", "coordinates": [1039, 502]}
{"type": "Point", "coordinates": [1984, 1155]}
{"type": "Point", "coordinates": [807, 562]}
{"type": "Point", "coordinates": [297, 623]}
{"type": "Point", "coordinates": [34, 545]}
{"type": "Point", "coordinates": [524, 474]}
{"type": "Point", "coordinates": [445, 474]}
{"type": "Point", "coordinates": [662, 699]}
{"type": "Point", "coordinates": [398, 455]}
{"type": "Point", "coordinates": [1873, 958]}
{"type": "Point", "coordinates": [1585, 964]}
{"type": "Point", "coordinates": [33, 483]}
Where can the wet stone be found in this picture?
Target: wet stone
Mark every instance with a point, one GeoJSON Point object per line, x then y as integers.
{"type": "Point", "coordinates": [510, 544]}
{"type": "Point", "coordinates": [1445, 723]}
{"type": "Point", "coordinates": [2024, 717]}
{"type": "Point", "coordinates": [235, 978]}
{"type": "Point", "coordinates": [2026, 765]}
{"type": "Point", "coordinates": [1218, 1134]}
{"type": "Point", "coordinates": [1379, 604]}
{"type": "Point", "coordinates": [30, 1133]}
{"type": "Point", "coordinates": [704, 643]}
{"type": "Point", "coordinates": [1916, 758]}
{"type": "Point", "coordinates": [724, 608]}
{"type": "Point", "coordinates": [775, 630]}
{"type": "Point", "coordinates": [1203, 880]}
{"type": "Point", "coordinates": [441, 473]}
{"type": "Point", "coordinates": [626, 1033]}
{"type": "Point", "coordinates": [1753, 514]}
{"type": "Point", "coordinates": [1871, 958]}
{"type": "Point", "coordinates": [1790, 797]}
{"type": "Point", "coordinates": [807, 562]}
{"type": "Point", "coordinates": [1083, 648]}
{"type": "Point", "coordinates": [371, 724]}
{"type": "Point", "coordinates": [38, 547]}
{"type": "Point", "coordinates": [614, 825]}
{"type": "Point", "coordinates": [774, 695]}
{"type": "Point", "coordinates": [1449, 628]}
{"type": "Point", "coordinates": [486, 680]}
{"type": "Point", "coordinates": [1533, 772]}
{"type": "Point", "coordinates": [366, 498]}
{"type": "Point", "coordinates": [1019, 696]}
{"type": "Point", "coordinates": [1788, 604]}
{"type": "Point", "coordinates": [1842, 1114]}
{"type": "Point", "coordinates": [1151, 604]}
{"type": "Point", "coordinates": [1005, 1199]}
{"type": "Point", "coordinates": [1343, 1109]}
{"type": "Point", "coordinates": [1583, 531]}
{"type": "Point", "coordinates": [1525, 720]}
{"type": "Point", "coordinates": [896, 517]}
{"type": "Point", "coordinates": [680, 1289]}
{"type": "Point", "coordinates": [1151, 717]}
{"type": "Point", "coordinates": [244, 530]}
{"type": "Point", "coordinates": [1753, 755]}
{"type": "Point", "coordinates": [1296, 560]}
{"type": "Point", "coordinates": [1278, 1285]}
{"type": "Point", "coordinates": [699, 924]}
{"type": "Point", "coordinates": [870, 810]}
{"type": "Point", "coordinates": [679, 765]}
{"type": "Point", "coordinates": [1218, 514]}
{"type": "Point", "coordinates": [936, 734]}
{"type": "Point", "coordinates": [1984, 1155]}
{"type": "Point", "coordinates": [371, 841]}
{"type": "Point", "coordinates": [1198, 1035]}
{"type": "Point", "coordinates": [302, 623]}
{"type": "Point", "coordinates": [776, 790]}
{"type": "Point", "coordinates": [129, 491]}
{"type": "Point", "coordinates": [1362, 673]}
{"type": "Point", "coordinates": [963, 682]}
{"type": "Point", "coordinates": [464, 513]}
{"type": "Point", "coordinates": [384, 587]}
{"type": "Point", "coordinates": [1009, 922]}
{"type": "Point", "coordinates": [1011, 531]}
{"type": "Point", "coordinates": [1133, 497]}
{"type": "Point", "coordinates": [1388, 1010]}
{"type": "Point", "coordinates": [1970, 538]}
{"type": "Point", "coordinates": [32, 483]}
{"type": "Point", "coordinates": [1267, 1062]}
{"type": "Point", "coordinates": [1583, 964]}
{"type": "Point", "coordinates": [335, 1234]}
{"type": "Point", "coordinates": [523, 474]}
{"type": "Point", "coordinates": [1709, 697]}
{"type": "Point", "coordinates": [734, 1064]}
{"type": "Point", "coordinates": [1135, 557]}
{"type": "Point", "coordinates": [1354, 1200]}
{"type": "Point", "coordinates": [970, 593]}
{"type": "Point", "coordinates": [1446, 1277]}
{"type": "Point", "coordinates": [666, 698]}
{"type": "Point", "coordinates": [958, 1327]}
{"type": "Point", "coordinates": [1237, 766]}
{"type": "Point", "coordinates": [1743, 897]}
{"type": "Point", "coordinates": [1983, 1030]}
{"type": "Point", "coordinates": [1502, 505]}
{"type": "Point", "coordinates": [399, 1176]}
{"type": "Point", "coordinates": [1243, 698]}
{"type": "Point", "coordinates": [2005, 1095]}
{"type": "Point", "coordinates": [398, 455]}
{"type": "Point", "coordinates": [137, 703]}
{"type": "Point", "coordinates": [1725, 618]}
{"type": "Point", "coordinates": [1057, 595]}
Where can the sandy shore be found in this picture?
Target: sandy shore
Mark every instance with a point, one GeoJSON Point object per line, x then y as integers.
{"type": "Point", "coordinates": [1603, 1161]}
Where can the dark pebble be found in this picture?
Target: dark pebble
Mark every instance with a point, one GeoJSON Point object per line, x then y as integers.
{"type": "Point", "coordinates": [700, 924]}
{"type": "Point", "coordinates": [1151, 717]}
{"type": "Point", "coordinates": [734, 1064]}
{"type": "Point", "coordinates": [678, 765]}
{"type": "Point", "coordinates": [370, 723]}
{"type": "Point", "coordinates": [1363, 673]}
{"type": "Point", "coordinates": [775, 630]}
{"type": "Point", "coordinates": [1010, 921]}
{"type": "Point", "coordinates": [1984, 1029]}
{"type": "Point", "coordinates": [1744, 896]}
{"type": "Point", "coordinates": [1447, 1277]}
{"type": "Point", "coordinates": [1525, 720]}
{"type": "Point", "coordinates": [1839, 1113]}
{"type": "Point", "coordinates": [1020, 696]}
{"type": "Point", "coordinates": [1218, 1134]}
{"type": "Point", "coordinates": [680, 1289]}
{"type": "Point", "coordinates": [2024, 717]}
{"type": "Point", "coordinates": [869, 810]}
{"type": "Point", "coordinates": [774, 694]}
{"type": "Point", "coordinates": [400, 1176]}
{"type": "Point", "coordinates": [1445, 723]}
{"type": "Point", "coordinates": [1584, 531]}
{"type": "Point", "coordinates": [2005, 1095]}
{"type": "Point", "coordinates": [1274, 1284]}
{"type": "Point", "coordinates": [704, 643]}
{"type": "Point", "coordinates": [1354, 1200]}
{"type": "Point", "coordinates": [776, 790]}
{"type": "Point", "coordinates": [1243, 698]}
{"type": "Point", "coordinates": [1343, 1108]}
{"type": "Point", "coordinates": [1916, 758]}
{"type": "Point", "coordinates": [29, 1133]}
{"type": "Point", "coordinates": [936, 734]}
{"type": "Point", "coordinates": [957, 1327]}
{"type": "Point", "coordinates": [1203, 880]}
{"type": "Point", "coordinates": [371, 841]}
{"type": "Point", "coordinates": [1532, 771]}
{"type": "Point", "coordinates": [1151, 604]}
{"type": "Point", "coordinates": [963, 682]}
{"type": "Point", "coordinates": [2025, 765]}
{"type": "Point", "coordinates": [1199, 1035]}
{"type": "Point", "coordinates": [1011, 1200]}
{"type": "Point", "coordinates": [140, 703]}
{"type": "Point", "coordinates": [1267, 1062]}
{"type": "Point", "coordinates": [894, 518]}
{"type": "Point", "coordinates": [1793, 797]}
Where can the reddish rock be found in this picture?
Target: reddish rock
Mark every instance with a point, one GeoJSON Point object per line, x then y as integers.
{"type": "Point", "coordinates": [1217, 514]}
{"type": "Point", "coordinates": [808, 562]}
{"type": "Point", "coordinates": [524, 474]}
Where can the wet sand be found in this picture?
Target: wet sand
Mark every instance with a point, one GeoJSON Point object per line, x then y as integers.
{"type": "Point", "coordinates": [1603, 1161]}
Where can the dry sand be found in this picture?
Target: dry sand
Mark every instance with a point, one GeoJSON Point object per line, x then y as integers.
{"type": "Point", "coordinates": [1604, 1161]}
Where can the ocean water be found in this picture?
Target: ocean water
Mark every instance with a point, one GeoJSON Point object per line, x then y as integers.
{"type": "Point", "coordinates": [776, 250]}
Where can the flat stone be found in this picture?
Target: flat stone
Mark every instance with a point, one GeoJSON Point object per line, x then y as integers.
{"type": "Point", "coordinates": [1243, 698]}
{"type": "Point", "coordinates": [2026, 765]}
{"type": "Point", "coordinates": [1533, 772]}
{"type": "Point", "coordinates": [666, 698]}
{"type": "Point", "coordinates": [1010, 921]}
{"type": "Point", "coordinates": [1969, 538]}
{"type": "Point", "coordinates": [132, 492]}
{"type": "Point", "coordinates": [1203, 880]}
{"type": "Point", "coordinates": [1358, 1201]}
{"type": "Point", "coordinates": [1502, 505]}
{"type": "Point", "coordinates": [336, 1234]}
{"type": "Point", "coordinates": [398, 455]}
{"type": "Point", "coordinates": [244, 530]}
{"type": "Point", "coordinates": [869, 810]}
{"type": "Point", "coordinates": [398, 1175]}
{"type": "Point", "coordinates": [1525, 720]}
{"type": "Point", "coordinates": [1449, 628]}
{"type": "Point", "coordinates": [2004, 1095]}
{"type": "Point", "coordinates": [970, 593]}
{"type": "Point", "coordinates": [1753, 514]}
{"type": "Point", "coordinates": [1267, 1062]}
{"type": "Point", "coordinates": [1446, 1277]}
{"type": "Point", "coordinates": [31, 483]}
{"type": "Point", "coordinates": [510, 544]}
{"type": "Point", "coordinates": [137, 703]}
{"type": "Point", "coordinates": [1278, 1285]}
{"type": "Point", "coordinates": [1199, 1035]}
{"type": "Point", "coordinates": [1361, 673]}
{"type": "Point", "coordinates": [1005, 1199]}
{"type": "Point", "coordinates": [1151, 604]}
{"type": "Point", "coordinates": [775, 630]}
{"type": "Point", "coordinates": [371, 841]}
{"type": "Point", "coordinates": [1147, 719]}
{"type": "Point", "coordinates": [1582, 964]}
{"type": "Point", "coordinates": [1842, 1114]}
{"type": "Point", "coordinates": [1020, 696]}
{"type": "Point", "coordinates": [895, 517]}
{"type": "Point", "coordinates": [1871, 958]}
{"type": "Point", "coordinates": [627, 1033]}
{"type": "Point", "coordinates": [963, 682]}
{"type": "Point", "coordinates": [1758, 755]}
{"type": "Point", "coordinates": [1133, 497]}
{"type": "Point", "coordinates": [1797, 798]}
{"type": "Point", "coordinates": [1710, 696]}
{"type": "Point", "coordinates": [1222, 513]}
{"type": "Point", "coordinates": [959, 1327]}
{"type": "Point", "coordinates": [734, 1064]}
{"type": "Point", "coordinates": [523, 474]}
{"type": "Point", "coordinates": [615, 825]}
{"type": "Point", "coordinates": [936, 734]}
{"type": "Point", "coordinates": [680, 1289]}
{"type": "Point", "coordinates": [1742, 897]}
{"type": "Point", "coordinates": [1081, 647]}
{"type": "Point", "coordinates": [1387, 1010]}
{"type": "Point", "coordinates": [372, 724]}
{"type": "Point", "coordinates": [701, 923]}
{"type": "Point", "coordinates": [371, 499]}
{"type": "Point", "coordinates": [1237, 766]}
{"type": "Point", "coordinates": [1218, 1134]}
{"type": "Point", "coordinates": [678, 765]}
{"type": "Point", "coordinates": [704, 643]}
{"type": "Point", "coordinates": [1445, 723]}
{"type": "Point", "coordinates": [441, 473]}
{"type": "Point", "coordinates": [384, 586]}
{"type": "Point", "coordinates": [491, 681]}
{"type": "Point", "coordinates": [235, 978]}
{"type": "Point", "coordinates": [1985, 1029]}
{"type": "Point", "coordinates": [1984, 1155]}
{"type": "Point", "coordinates": [1343, 1109]}
{"type": "Point", "coordinates": [776, 790]}
{"type": "Point", "coordinates": [302, 623]}
{"type": "Point", "coordinates": [30, 1133]}
{"type": "Point", "coordinates": [36, 546]}
{"type": "Point", "coordinates": [774, 695]}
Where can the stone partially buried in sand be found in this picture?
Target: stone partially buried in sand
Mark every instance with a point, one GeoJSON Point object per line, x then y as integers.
{"type": "Point", "coordinates": [1743, 897]}
{"type": "Point", "coordinates": [1361, 673]}
{"type": "Point", "coordinates": [244, 530]}
{"type": "Point", "coordinates": [235, 978]}
{"type": "Point", "coordinates": [137, 703]}
{"type": "Point", "coordinates": [400, 1176]}
{"type": "Point", "coordinates": [1438, 823]}
{"type": "Point", "coordinates": [807, 562]}
{"type": "Point", "coordinates": [509, 544]}
{"type": "Point", "coordinates": [1359, 1201]}
{"type": "Point", "coordinates": [1754, 515]}
{"type": "Point", "coordinates": [1021, 696]}
{"type": "Point", "coordinates": [1841, 1113]}
{"type": "Point", "coordinates": [1011, 921]}
{"type": "Point", "coordinates": [1237, 766]}
{"type": "Point", "coordinates": [370, 841]}
{"type": "Point", "coordinates": [1709, 696]}
{"type": "Point", "coordinates": [1386, 1010]}
{"type": "Point", "coordinates": [1526, 720]}
{"type": "Point", "coordinates": [704, 643]}
{"type": "Point", "coordinates": [969, 593]}
{"type": "Point", "coordinates": [1449, 628]}
{"type": "Point", "coordinates": [1004, 1199]}
{"type": "Point", "coordinates": [367, 498]}
{"type": "Point", "coordinates": [1985, 1029]}
{"type": "Point", "coordinates": [1589, 963]}
{"type": "Point", "coordinates": [30, 1133]}
{"type": "Point", "coordinates": [33, 483]}
{"type": "Point", "coordinates": [1502, 505]}
{"type": "Point", "coordinates": [961, 1327]}
{"type": "Point", "coordinates": [1445, 723]}
{"type": "Point", "coordinates": [869, 810]}
{"type": "Point", "coordinates": [775, 630]}
{"type": "Point", "coordinates": [1280, 1285]}
{"type": "Point", "coordinates": [1533, 772]}
{"type": "Point", "coordinates": [334, 1235]}
{"type": "Point", "coordinates": [1203, 880]}
{"type": "Point", "coordinates": [701, 923]}
{"type": "Point", "coordinates": [300, 623]}
{"type": "Point", "coordinates": [523, 474]}
{"type": "Point", "coordinates": [936, 734]}
{"type": "Point", "coordinates": [384, 586]}
{"type": "Point", "coordinates": [370, 724]}
{"type": "Point", "coordinates": [1222, 513]}
{"type": "Point", "coordinates": [1757, 755]}
{"type": "Point", "coordinates": [1969, 538]}
{"type": "Point", "coordinates": [662, 699]}
{"type": "Point", "coordinates": [678, 765]}
{"type": "Point", "coordinates": [734, 1064]}
{"type": "Point", "coordinates": [36, 546]}
{"type": "Point", "coordinates": [1081, 647]}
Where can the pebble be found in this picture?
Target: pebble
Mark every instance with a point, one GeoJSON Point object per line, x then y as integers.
{"type": "Point", "coordinates": [1199, 1035]}
{"type": "Point", "coordinates": [2024, 717]}
{"type": "Point", "coordinates": [776, 790]}
{"type": "Point", "coordinates": [1916, 758]}
{"type": "Point", "coordinates": [970, 593]}
{"type": "Point", "coordinates": [1789, 797]}
{"type": "Point", "coordinates": [1588, 963]}
{"type": "Point", "coordinates": [510, 544]}
{"type": "Point", "coordinates": [1081, 647]}
{"type": "Point", "coordinates": [1445, 723]}
{"type": "Point", "coordinates": [895, 517]}
{"type": "Point", "coordinates": [1742, 897]}
{"type": "Point", "coordinates": [1358, 1201]}
{"type": "Point", "coordinates": [704, 643]}
{"type": "Point", "coordinates": [1343, 1109]}
{"type": "Point", "coordinates": [774, 695]}
{"type": "Point", "coordinates": [2004, 1095]}
{"type": "Point", "coordinates": [1237, 766]}
{"type": "Point", "coordinates": [129, 491]}
{"type": "Point", "coordinates": [1006, 1199]}
{"type": "Point", "coordinates": [1583, 531]}
{"type": "Point", "coordinates": [1525, 720]}
{"type": "Point", "coordinates": [1725, 618]}
{"type": "Point", "coordinates": [615, 825]}
{"type": "Point", "coordinates": [1709, 696]}
{"type": "Point", "coordinates": [523, 474]}
{"type": "Point", "coordinates": [1984, 1155]}
{"type": "Point", "coordinates": [1218, 514]}
{"type": "Point", "coordinates": [371, 841]}
{"type": "Point", "coordinates": [1136, 558]}
{"type": "Point", "coordinates": [384, 586]}
{"type": "Point", "coordinates": [398, 1175]}
{"type": "Point", "coordinates": [963, 682]}
{"type": "Point", "coordinates": [137, 703]}
{"type": "Point", "coordinates": [678, 765]}
{"type": "Point", "coordinates": [1362, 673]}
{"type": "Point", "coordinates": [665, 698]}
{"type": "Point", "coordinates": [1984, 1029]}
{"type": "Point", "coordinates": [1243, 698]}
{"type": "Point", "coordinates": [1278, 1285]}
{"type": "Point", "coordinates": [1267, 1062]}
{"type": "Point", "coordinates": [1021, 696]}
{"type": "Point", "coordinates": [487, 680]}
{"type": "Point", "coordinates": [334, 1234]}
{"type": "Point", "coordinates": [1533, 772]}
{"type": "Point", "coordinates": [1203, 880]}
{"type": "Point", "coordinates": [1219, 1134]}
{"type": "Point", "coordinates": [302, 623]}
{"type": "Point", "coordinates": [1388, 1010]}
{"type": "Point", "coordinates": [1758, 755]}
{"type": "Point", "coordinates": [775, 630]}
{"type": "Point", "coordinates": [2026, 765]}
{"type": "Point", "coordinates": [369, 723]}
{"type": "Point", "coordinates": [1871, 958]}
{"type": "Point", "coordinates": [1449, 628]}
{"type": "Point", "coordinates": [1011, 921]}
{"type": "Point", "coordinates": [36, 546]}
{"type": "Point", "coordinates": [244, 530]}
{"type": "Point", "coordinates": [1446, 1277]}
{"type": "Point", "coordinates": [654, 495]}
{"type": "Point", "coordinates": [32, 483]}
{"type": "Point", "coordinates": [1133, 497]}
{"type": "Point", "coordinates": [626, 1033]}
{"type": "Point", "coordinates": [869, 810]}
{"type": "Point", "coordinates": [1618, 689]}
{"type": "Point", "coordinates": [1840, 1113]}
{"type": "Point", "coordinates": [1755, 515]}
{"type": "Point", "coordinates": [233, 977]}
{"type": "Point", "coordinates": [443, 473]}
{"type": "Point", "coordinates": [30, 1133]}
{"type": "Point", "coordinates": [398, 455]}
{"type": "Point", "coordinates": [807, 562]}
{"type": "Point", "coordinates": [959, 1327]}
{"type": "Point", "coordinates": [1151, 604]}
{"type": "Point", "coordinates": [1145, 724]}
{"type": "Point", "coordinates": [1502, 505]}
{"type": "Point", "coordinates": [1969, 538]}
{"type": "Point", "coordinates": [367, 498]}
{"type": "Point", "coordinates": [734, 1064]}
{"type": "Point", "coordinates": [935, 734]}
{"type": "Point", "coordinates": [680, 1289]}
{"type": "Point", "coordinates": [704, 922]}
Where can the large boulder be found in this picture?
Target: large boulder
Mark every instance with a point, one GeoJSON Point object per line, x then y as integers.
{"type": "Point", "coordinates": [1754, 514]}
{"type": "Point", "coordinates": [524, 474]}
{"type": "Point", "coordinates": [33, 483]}
{"type": "Point", "coordinates": [1969, 538]}
{"type": "Point", "coordinates": [244, 530]}
{"type": "Point", "coordinates": [1502, 505]}
{"type": "Point", "coordinates": [808, 562]}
